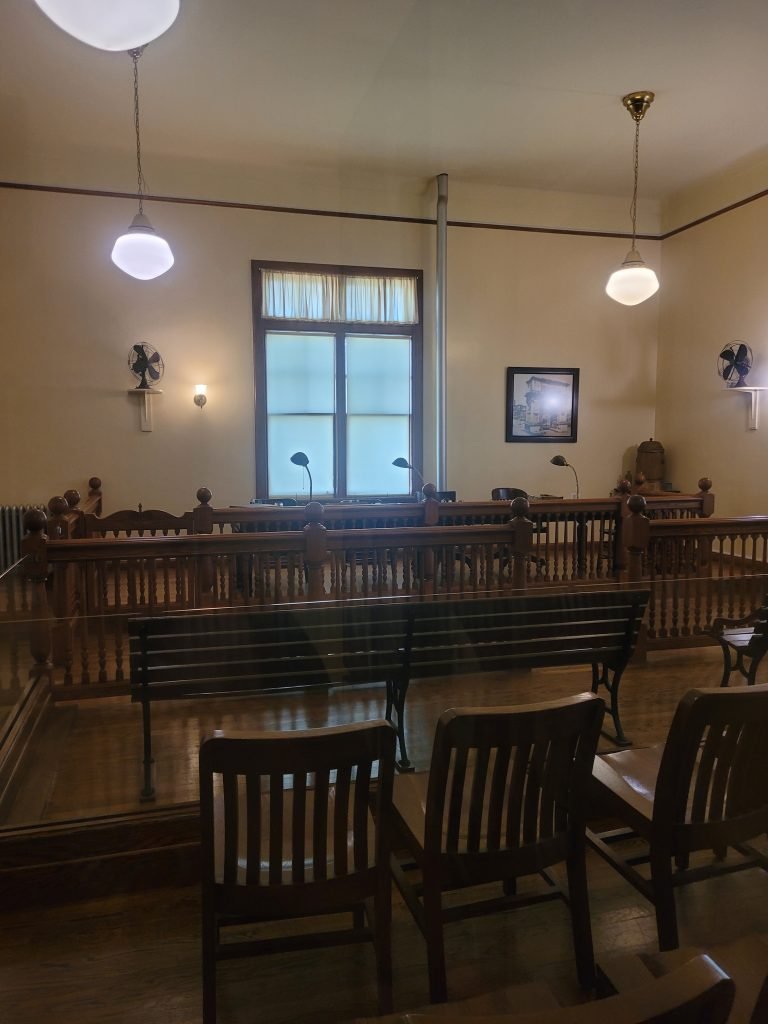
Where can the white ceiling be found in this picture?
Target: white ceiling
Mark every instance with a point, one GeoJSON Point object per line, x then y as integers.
{"type": "Point", "coordinates": [517, 92]}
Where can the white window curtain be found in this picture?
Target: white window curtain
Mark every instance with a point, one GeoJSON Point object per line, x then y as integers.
{"type": "Point", "coordinates": [294, 295]}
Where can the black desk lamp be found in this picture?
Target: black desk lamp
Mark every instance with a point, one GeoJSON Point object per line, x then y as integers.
{"type": "Point", "coordinates": [402, 463]}
{"type": "Point", "coordinates": [560, 460]}
{"type": "Point", "coordinates": [301, 459]}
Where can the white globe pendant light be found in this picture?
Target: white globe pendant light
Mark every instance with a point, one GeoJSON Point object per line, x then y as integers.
{"type": "Point", "coordinates": [634, 282]}
{"type": "Point", "coordinates": [112, 24]}
{"type": "Point", "coordinates": [141, 252]}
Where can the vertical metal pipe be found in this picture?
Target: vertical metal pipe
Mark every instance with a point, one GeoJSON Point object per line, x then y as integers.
{"type": "Point", "coordinates": [441, 288]}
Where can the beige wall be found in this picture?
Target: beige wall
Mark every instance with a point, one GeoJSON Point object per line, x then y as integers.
{"type": "Point", "coordinates": [714, 293]}
{"type": "Point", "coordinates": [68, 319]}
{"type": "Point", "coordinates": [538, 300]}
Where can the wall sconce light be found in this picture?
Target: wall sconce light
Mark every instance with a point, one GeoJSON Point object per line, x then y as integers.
{"type": "Point", "coordinates": [200, 395]}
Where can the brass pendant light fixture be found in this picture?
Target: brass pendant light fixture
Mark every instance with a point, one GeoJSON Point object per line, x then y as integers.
{"type": "Point", "coordinates": [634, 282]}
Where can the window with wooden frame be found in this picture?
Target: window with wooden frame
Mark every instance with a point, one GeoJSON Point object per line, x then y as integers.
{"type": "Point", "coordinates": [338, 365]}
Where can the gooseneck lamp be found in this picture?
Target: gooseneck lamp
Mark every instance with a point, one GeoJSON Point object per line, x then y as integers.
{"type": "Point", "coordinates": [402, 463]}
{"type": "Point", "coordinates": [560, 460]}
{"type": "Point", "coordinates": [302, 459]}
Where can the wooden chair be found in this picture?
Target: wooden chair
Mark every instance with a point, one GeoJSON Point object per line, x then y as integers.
{"type": "Point", "coordinates": [286, 832]}
{"type": "Point", "coordinates": [504, 797]}
{"type": "Point", "coordinates": [698, 992]}
{"type": "Point", "coordinates": [706, 789]}
{"type": "Point", "coordinates": [746, 638]}
{"type": "Point", "coordinates": [507, 493]}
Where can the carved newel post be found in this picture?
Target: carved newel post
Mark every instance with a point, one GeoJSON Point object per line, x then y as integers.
{"type": "Point", "coordinates": [202, 514]}
{"type": "Point", "coordinates": [522, 541]}
{"type": "Point", "coordinates": [636, 532]}
{"type": "Point", "coordinates": [34, 550]}
{"type": "Point", "coordinates": [707, 499]}
{"type": "Point", "coordinates": [58, 522]}
{"type": "Point", "coordinates": [94, 495]}
{"type": "Point", "coordinates": [315, 550]}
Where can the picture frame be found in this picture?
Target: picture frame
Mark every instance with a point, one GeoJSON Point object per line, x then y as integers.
{"type": "Point", "coordinates": [542, 404]}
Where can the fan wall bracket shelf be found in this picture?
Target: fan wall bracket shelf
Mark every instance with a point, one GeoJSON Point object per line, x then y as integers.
{"type": "Point", "coordinates": [754, 405]}
{"type": "Point", "coordinates": [145, 409]}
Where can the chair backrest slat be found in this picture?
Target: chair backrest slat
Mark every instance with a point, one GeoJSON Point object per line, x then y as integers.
{"type": "Point", "coordinates": [287, 808]}
{"type": "Point", "coordinates": [517, 793]}
{"type": "Point", "coordinates": [341, 820]}
{"type": "Point", "coordinates": [496, 796]}
{"type": "Point", "coordinates": [714, 768]}
{"type": "Point", "coordinates": [320, 826]}
{"type": "Point", "coordinates": [231, 812]}
{"type": "Point", "coordinates": [299, 826]}
{"type": "Point", "coordinates": [253, 813]}
{"type": "Point", "coordinates": [360, 815]}
{"type": "Point", "coordinates": [534, 763]}
{"type": "Point", "coordinates": [275, 828]}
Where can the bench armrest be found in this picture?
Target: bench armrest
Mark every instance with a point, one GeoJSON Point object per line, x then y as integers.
{"type": "Point", "coordinates": [721, 623]}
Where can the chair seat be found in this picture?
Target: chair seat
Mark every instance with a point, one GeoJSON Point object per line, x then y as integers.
{"type": "Point", "coordinates": [627, 779]}
{"type": "Point", "coordinates": [409, 798]}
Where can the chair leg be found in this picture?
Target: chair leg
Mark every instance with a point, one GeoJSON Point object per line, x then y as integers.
{"type": "Point", "coordinates": [358, 916]}
{"type": "Point", "coordinates": [664, 902]}
{"type": "Point", "coordinates": [433, 933]}
{"type": "Point", "coordinates": [727, 665]}
{"type": "Point", "coordinates": [209, 969]}
{"type": "Point", "coordinates": [382, 941]}
{"type": "Point", "coordinates": [581, 924]}
{"type": "Point", "coordinates": [510, 886]}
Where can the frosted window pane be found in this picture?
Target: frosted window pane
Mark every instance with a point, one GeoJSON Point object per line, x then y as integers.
{"type": "Point", "coordinates": [310, 434]}
{"type": "Point", "coordinates": [372, 443]}
{"type": "Point", "coordinates": [378, 375]}
{"type": "Point", "coordinates": [300, 373]}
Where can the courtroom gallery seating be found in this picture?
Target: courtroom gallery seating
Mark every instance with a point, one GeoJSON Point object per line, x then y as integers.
{"type": "Point", "coordinates": [286, 832]}
{"type": "Point", "coordinates": [706, 789]}
{"type": "Point", "coordinates": [504, 797]}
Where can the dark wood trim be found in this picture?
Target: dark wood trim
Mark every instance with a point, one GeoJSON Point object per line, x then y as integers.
{"type": "Point", "coordinates": [17, 735]}
{"type": "Point", "coordinates": [309, 212]}
{"type": "Point", "coordinates": [224, 204]}
{"type": "Point", "coordinates": [715, 213]}
{"type": "Point", "coordinates": [94, 857]}
{"type": "Point", "coordinates": [385, 217]}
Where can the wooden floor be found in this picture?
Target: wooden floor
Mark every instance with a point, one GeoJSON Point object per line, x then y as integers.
{"type": "Point", "coordinates": [86, 759]}
{"type": "Point", "coordinates": [135, 958]}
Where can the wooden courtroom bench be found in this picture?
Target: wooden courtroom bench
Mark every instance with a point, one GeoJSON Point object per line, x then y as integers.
{"type": "Point", "coordinates": [390, 640]}
{"type": "Point", "coordinates": [746, 637]}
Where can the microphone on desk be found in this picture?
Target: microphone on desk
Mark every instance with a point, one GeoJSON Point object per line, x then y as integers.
{"type": "Point", "coordinates": [560, 460]}
{"type": "Point", "coordinates": [302, 459]}
{"type": "Point", "coordinates": [402, 463]}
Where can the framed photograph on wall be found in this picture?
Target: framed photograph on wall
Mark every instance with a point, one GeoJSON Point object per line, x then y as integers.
{"type": "Point", "coordinates": [542, 404]}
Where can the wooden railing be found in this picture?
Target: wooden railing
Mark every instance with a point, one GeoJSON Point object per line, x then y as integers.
{"type": "Point", "coordinates": [698, 570]}
{"type": "Point", "coordinates": [93, 582]}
